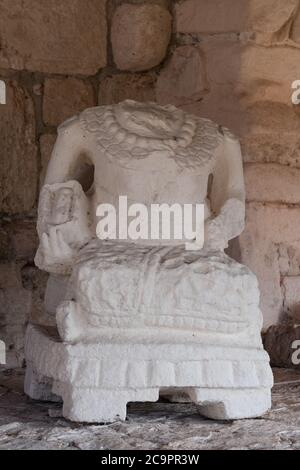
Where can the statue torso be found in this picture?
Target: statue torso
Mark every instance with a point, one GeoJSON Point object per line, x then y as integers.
{"type": "Point", "coordinates": [158, 155]}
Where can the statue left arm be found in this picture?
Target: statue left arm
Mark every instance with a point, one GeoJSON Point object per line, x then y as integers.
{"type": "Point", "coordinates": [227, 195]}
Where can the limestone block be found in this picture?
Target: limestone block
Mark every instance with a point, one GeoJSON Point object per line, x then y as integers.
{"type": "Point", "coordinates": [13, 336]}
{"type": "Point", "coordinates": [6, 249]}
{"type": "Point", "coordinates": [47, 142]}
{"type": "Point", "coordinates": [289, 259]}
{"type": "Point", "coordinates": [272, 183]}
{"type": "Point", "coordinates": [295, 31]}
{"type": "Point", "coordinates": [18, 164]}
{"type": "Point", "coordinates": [117, 88]}
{"type": "Point", "coordinates": [35, 282]}
{"type": "Point", "coordinates": [266, 228]}
{"type": "Point", "coordinates": [183, 80]}
{"type": "Point", "coordinates": [63, 98]}
{"type": "Point", "coordinates": [272, 147]}
{"type": "Point", "coordinates": [10, 276]}
{"type": "Point", "coordinates": [291, 288]}
{"type": "Point", "coordinates": [15, 307]}
{"type": "Point", "coordinates": [269, 18]}
{"type": "Point", "coordinates": [140, 36]}
{"type": "Point", "coordinates": [271, 116]}
{"type": "Point", "coordinates": [15, 304]}
{"type": "Point", "coordinates": [279, 223]}
{"type": "Point", "coordinates": [254, 95]}
{"type": "Point", "coordinates": [24, 239]}
{"type": "Point", "coordinates": [261, 73]}
{"type": "Point", "coordinates": [221, 103]}
{"type": "Point", "coordinates": [66, 37]}
{"type": "Point", "coordinates": [19, 302]}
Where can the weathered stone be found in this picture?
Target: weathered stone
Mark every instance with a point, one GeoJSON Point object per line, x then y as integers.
{"type": "Point", "coordinates": [272, 183]}
{"type": "Point", "coordinates": [291, 287]}
{"type": "Point", "coordinates": [289, 259]}
{"type": "Point", "coordinates": [18, 164]}
{"type": "Point", "coordinates": [295, 31]}
{"type": "Point", "coordinates": [18, 240]}
{"type": "Point", "coordinates": [183, 80]}
{"type": "Point", "coordinates": [63, 98]}
{"type": "Point", "coordinates": [268, 74]}
{"type": "Point", "coordinates": [15, 307]}
{"type": "Point", "coordinates": [10, 276]}
{"type": "Point", "coordinates": [279, 341]}
{"type": "Point", "coordinates": [66, 37]}
{"type": "Point", "coordinates": [271, 116]}
{"type": "Point", "coordinates": [258, 73]}
{"type": "Point", "coordinates": [266, 228]}
{"type": "Point", "coordinates": [20, 301]}
{"type": "Point", "coordinates": [254, 94]}
{"type": "Point", "coordinates": [24, 239]}
{"type": "Point", "coordinates": [6, 249]}
{"type": "Point", "coordinates": [35, 282]}
{"type": "Point", "coordinates": [272, 147]}
{"type": "Point", "coordinates": [15, 304]}
{"type": "Point", "coordinates": [47, 142]}
{"type": "Point", "coordinates": [13, 337]}
{"type": "Point", "coordinates": [223, 105]}
{"type": "Point", "coordinates": [270, 19]}
{"type": "Point", "coordinates": [140, 36]}
{"type": "Point", "coordinates": [117, 88]}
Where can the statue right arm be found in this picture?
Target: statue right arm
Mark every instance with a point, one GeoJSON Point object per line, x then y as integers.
{"type": "Point", "coordinates": [70, 144]}
{"type": "Point", "coordinates": [63, 220]}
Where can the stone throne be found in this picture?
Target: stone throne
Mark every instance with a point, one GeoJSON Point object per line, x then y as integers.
{"type": "Point", "coordinates": [136, 319]}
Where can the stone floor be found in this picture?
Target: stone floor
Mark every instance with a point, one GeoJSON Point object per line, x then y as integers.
{"type": "Point", "coordinates": [25, 424]}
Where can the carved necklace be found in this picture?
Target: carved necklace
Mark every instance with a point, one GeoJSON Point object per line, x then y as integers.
{"type": "Point", "coordinates": [194, 145]}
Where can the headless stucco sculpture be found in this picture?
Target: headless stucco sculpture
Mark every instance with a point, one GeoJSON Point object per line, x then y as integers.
{"type": "Point", "coordinates": [137, 319]}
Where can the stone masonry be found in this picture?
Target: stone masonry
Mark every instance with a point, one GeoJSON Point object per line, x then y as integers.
{"type": "Point", "coordinates": [227, 60]}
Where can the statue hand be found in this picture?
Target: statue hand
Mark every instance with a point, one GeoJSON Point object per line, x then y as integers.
{"type": "Point", "coordinates": [64, 226]}
{"type": "Point", "coordinates": [214, 239]}
{"type": "Point", "coordinates": [226, 225]}
{"type": "Point", "coordinates": [55, 248]}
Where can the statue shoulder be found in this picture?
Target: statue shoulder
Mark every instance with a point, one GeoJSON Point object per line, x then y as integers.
{"type": "Point", "coordinates": [93, 119]}
{"type": "Point", "coordinates": [89, 121]}
{"type": "Point", "coordinates": [228, 134]}
{"type": "Point", "coordinates": [70, 125]}
{"type": "Point", "coordinates": [209, 129]}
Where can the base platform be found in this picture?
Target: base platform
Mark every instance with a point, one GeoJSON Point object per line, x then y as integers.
{"type": "Point", "coordinates": [97, 380]}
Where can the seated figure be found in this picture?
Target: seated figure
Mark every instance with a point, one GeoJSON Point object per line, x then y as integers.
{"type": "Point", "coordinates": [136, 319]}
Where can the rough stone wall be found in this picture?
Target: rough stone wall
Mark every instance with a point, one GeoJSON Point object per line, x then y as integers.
{"type": "Point", "coordinates": [229, 60]}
